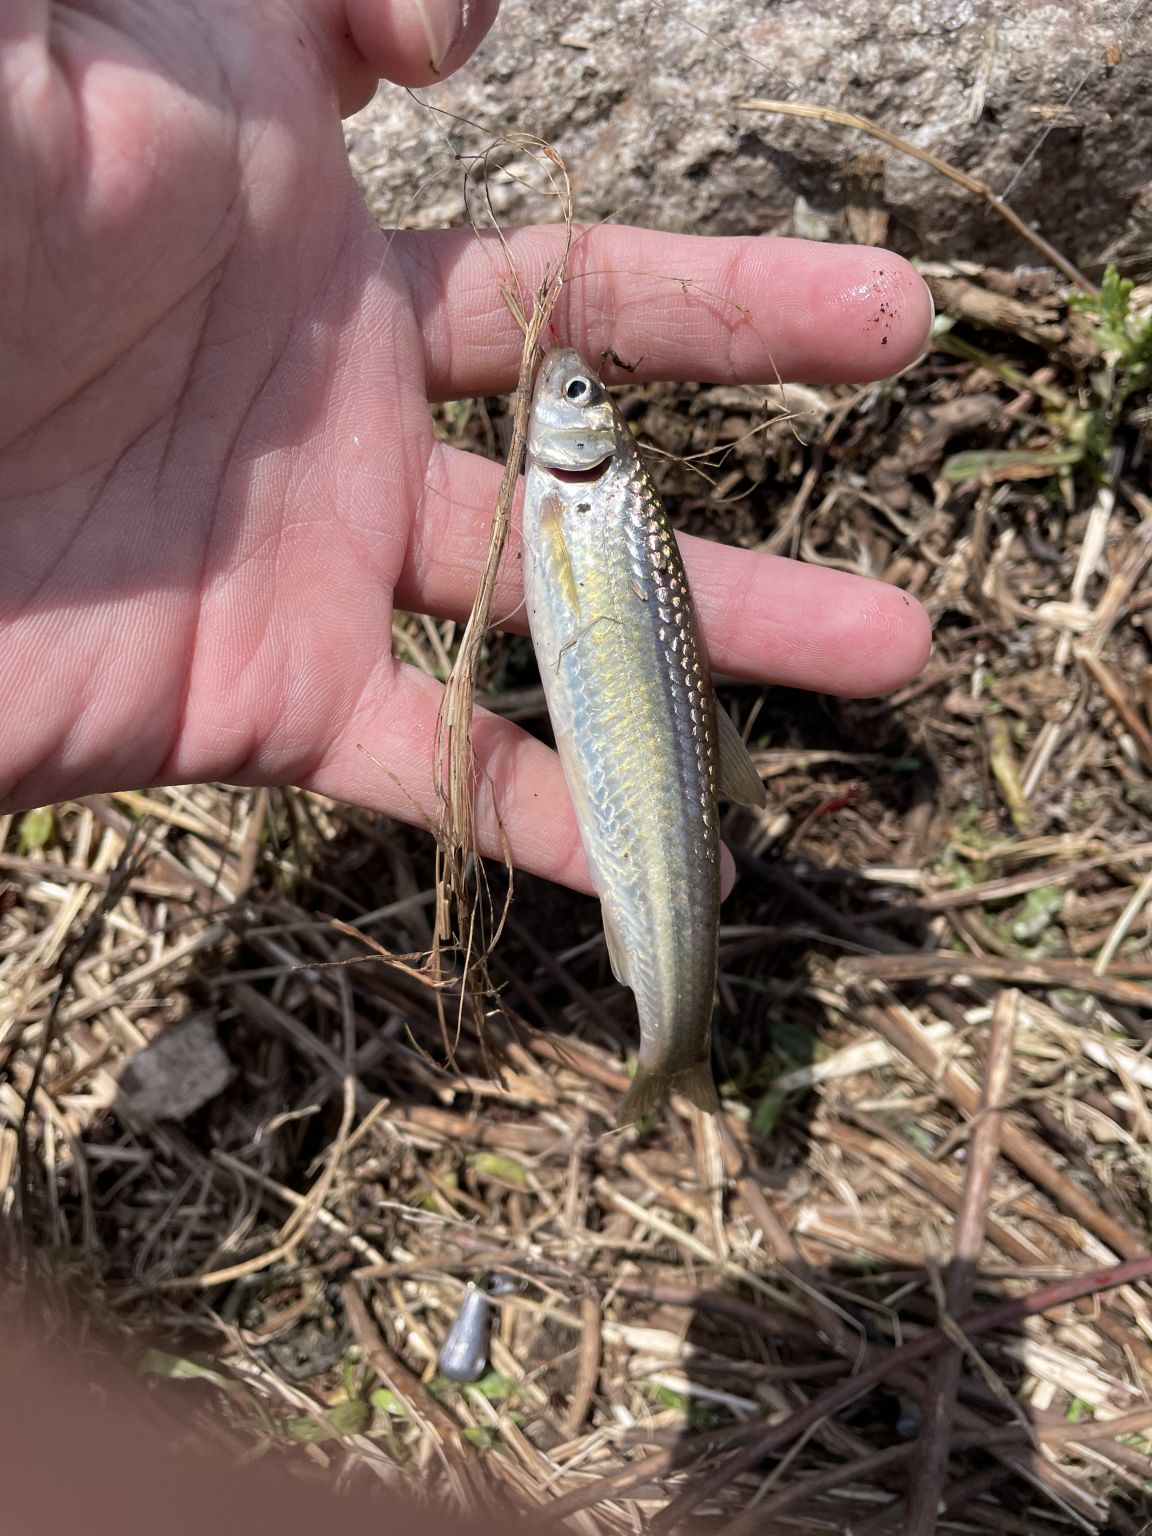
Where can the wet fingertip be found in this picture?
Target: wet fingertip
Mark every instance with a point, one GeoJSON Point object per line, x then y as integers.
{"type": "Point", "coordinates": [902, 312]}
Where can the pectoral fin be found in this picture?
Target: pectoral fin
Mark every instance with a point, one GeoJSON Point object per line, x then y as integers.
{"type": "Point", "coordinates": [554, 552]}
{"type": "Point", "coordinates": [737, 778]}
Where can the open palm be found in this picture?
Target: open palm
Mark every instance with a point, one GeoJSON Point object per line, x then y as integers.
{"type": "Point", "coordinates": [217, 469]}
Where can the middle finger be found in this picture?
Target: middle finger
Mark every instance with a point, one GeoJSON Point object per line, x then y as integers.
{"type": "Point", "coordinates": [763, 617]}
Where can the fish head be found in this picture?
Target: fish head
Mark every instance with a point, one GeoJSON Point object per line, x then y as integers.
{"type": "Point", "coordinates": [573, 431]}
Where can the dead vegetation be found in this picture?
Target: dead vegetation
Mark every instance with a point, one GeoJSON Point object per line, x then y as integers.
{"type": "Point", "coordinates": [902, 1284]}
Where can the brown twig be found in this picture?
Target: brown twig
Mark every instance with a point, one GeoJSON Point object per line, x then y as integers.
{"type": "Point", "coordinates": [801, 1493]}
{"type": "Point", "coordinates": [587, 1366]}
{"type": "Point", "coordinates": [1056, 972]}
{"type": "Point", "coordinates": [1112, 686]}
{"type": "Point", "coordinates": [845, 1339]}
{"type": "Point", "coordinates": [926, 1484]}
{"type": "Point", "coordinates": [880, 1143]}
{"type": "Point", "coordinates": [901, 1030]}
{"type": "Point", "coordinates": [761, 1442]}
{"type": "Point", "coordinates": [460, 924]}
{"type": "Point", "coordinates": [457, 1452]}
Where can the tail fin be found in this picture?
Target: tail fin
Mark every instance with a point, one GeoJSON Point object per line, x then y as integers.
{"type": "Point", "coordinates": [650, 1088]}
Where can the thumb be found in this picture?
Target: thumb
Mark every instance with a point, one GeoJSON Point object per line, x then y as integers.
{"type": "Point", "coordinates": [417, 42]}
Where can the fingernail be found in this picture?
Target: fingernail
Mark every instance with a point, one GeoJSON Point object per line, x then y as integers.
{"type": "Point", "coordinates": [930, 337]}
{"type": "Point", "coordinates": [443, 22]}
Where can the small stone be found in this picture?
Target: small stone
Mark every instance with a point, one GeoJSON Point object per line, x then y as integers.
{"type": "Point", "coordinates": [177, 1073]}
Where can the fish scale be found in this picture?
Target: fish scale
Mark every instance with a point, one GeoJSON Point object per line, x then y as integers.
{"type": "Point", "coordinates": [644, 830]}
{"type": "Point", "coordinates": [633, 713]}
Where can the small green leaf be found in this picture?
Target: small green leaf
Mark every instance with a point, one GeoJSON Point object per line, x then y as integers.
{"type": "Point", "coordinates": [494, 1386]}
{"type": "Point", "coordinates": [343, 1419]}
{"type": "Point", "coordinates": [920, 1138]}
{"type": "Point", "coordinates": [766, 1114]}
{"type": "Point", "coordinates": [480, 1435]}
{"type": "Point", "coordinates": [388, 1402]}
{"type": "Point", "coordinates": [154, 1362]}
{"type": "Point", "coordinates": [667, 1397]}
{"type": "Point", "coordinates": [349, 1418]}
{"type": "Point", "coordinates": [309, 1430]}
{"type": "Point", "coordinates": [795, 1043]}
{"type": "Point", "coordinates": [491, 1165]}
{"type": "Point", "coordinates": [351, 1373]}
{"type": "Point", "coordinates": [1008, 464]}
{"type": "Point", "coordinates": [1036, 912]}
{"type": "Point", "coordinates": [36, 828]}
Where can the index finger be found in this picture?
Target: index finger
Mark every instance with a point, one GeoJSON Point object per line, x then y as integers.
{"type": "Point", "coordinates": [741, 309]}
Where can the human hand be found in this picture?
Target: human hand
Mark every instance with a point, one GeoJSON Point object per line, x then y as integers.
{"type": "Point", "coordinates": [217, 467]}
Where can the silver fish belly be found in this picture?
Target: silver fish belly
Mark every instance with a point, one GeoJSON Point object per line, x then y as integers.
{"type": "Point", "coordinates": [634, 717]}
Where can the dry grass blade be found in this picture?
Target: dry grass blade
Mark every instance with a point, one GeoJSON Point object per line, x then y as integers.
{"type": "Point", "coordinates": [591, 1346]}
{"type": "Point", "coordinates": [1118, 695]}
{"type": "Point", "coordinates": [1052, 973]}
{"type": "Point", "coordinates": [460, 1457]}
{"type": "Point", "coordinates": [972, 184]}
{"type": "Point", "coordinates": [461, 918]}
{"type": "Point", "coordinates": [74, 952]}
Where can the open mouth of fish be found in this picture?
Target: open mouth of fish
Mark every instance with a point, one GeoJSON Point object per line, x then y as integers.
{"type": "Point", "coordinates": [581, 476]}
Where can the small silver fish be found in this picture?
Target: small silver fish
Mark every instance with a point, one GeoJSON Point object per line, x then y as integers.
{"type": "Point", "coordinates": [645, 749]}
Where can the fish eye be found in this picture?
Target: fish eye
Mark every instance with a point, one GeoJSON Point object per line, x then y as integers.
{"type": "Point", "coordinates": [578, 388]}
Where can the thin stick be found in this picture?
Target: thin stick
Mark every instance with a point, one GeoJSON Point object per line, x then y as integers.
{"type": "Point", "coordinates": [970, 183]}
{"type": "Point", "coordinates": [1115, 987]}
{"type": "Point", "coordinates": [842, 1476]}
{"type": "Point", "coordinates": [587, 1366]}
{"type": "Point", "coordinates": [1140, 897]}
{"type": "Point", "coordinates": [761, 1442]}
{"type": "Point", "coordinates": [903, 1031]}
{"type": "Point", "coordinates": [1005, 1314]}
{"type": "Point", "coordinates": [824, 1315]}
{"type": "Point", "coordinates": [930, 1470]}
{"type": "Point", "coordinates": [1114, 689]}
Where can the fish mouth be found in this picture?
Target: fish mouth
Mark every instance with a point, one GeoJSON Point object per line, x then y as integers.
{"type": "Point", "coordinates": [587, 476]}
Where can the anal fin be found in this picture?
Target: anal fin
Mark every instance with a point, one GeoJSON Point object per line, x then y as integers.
{"type": "Point", "coordinates": [737, 778]}
{"type": "Point", "coordinates": [617, 953]}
